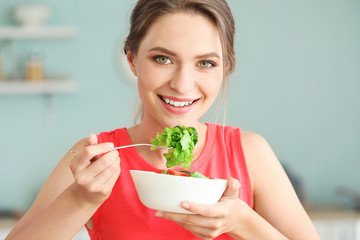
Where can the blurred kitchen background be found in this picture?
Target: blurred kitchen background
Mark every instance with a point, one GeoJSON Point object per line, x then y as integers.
{"type": "Point", "coordinates": [297, 83]}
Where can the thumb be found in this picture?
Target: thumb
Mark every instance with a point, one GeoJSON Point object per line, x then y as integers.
{"type": "Point", "coordinates": [232, 190]}
{"type": "Point", "coordinates": [92, 140]}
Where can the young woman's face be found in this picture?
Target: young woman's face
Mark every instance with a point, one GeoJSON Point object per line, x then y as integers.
{"type": "Point", "coordinates": [179, 66]}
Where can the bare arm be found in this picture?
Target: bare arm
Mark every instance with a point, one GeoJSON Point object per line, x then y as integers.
{"type": "Point", "coordinates": [74, 190]}
{"type": "Point", "coordinates": [274, 197]}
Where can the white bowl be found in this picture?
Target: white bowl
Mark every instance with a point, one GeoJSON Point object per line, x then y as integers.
{"type": "Point", "coordinates": [166, 192]}
{"type": "Point", "coordinates": [32, 15]}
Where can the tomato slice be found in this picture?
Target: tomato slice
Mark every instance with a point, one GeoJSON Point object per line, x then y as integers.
{"type": "Point", "coordinates": [159, 170]}
{"type": "Point", "coordinates": [174, 172]}
{"type": "Point", "coordinates": [177, 173]}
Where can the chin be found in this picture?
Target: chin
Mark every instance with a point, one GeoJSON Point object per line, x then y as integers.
{"type": "Point", "coordinates": [180, 122]}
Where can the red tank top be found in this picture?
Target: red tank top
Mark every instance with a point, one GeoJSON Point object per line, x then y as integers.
{"type": "Point", "coordinates": [123, 216]}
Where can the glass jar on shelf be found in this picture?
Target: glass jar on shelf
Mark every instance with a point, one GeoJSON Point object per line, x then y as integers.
{"type": "Point", "coordinates": [34, 67]}
{"type": "Point", "coordinates": [1, 68]}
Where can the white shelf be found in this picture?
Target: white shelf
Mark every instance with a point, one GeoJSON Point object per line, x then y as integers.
{"type": "Point", "coordinates": [37, 33]}
{"type": "Point", "coordinates": [47, 86]}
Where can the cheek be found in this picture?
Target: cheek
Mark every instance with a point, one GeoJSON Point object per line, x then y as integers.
{"type": "Point", "coordinates": [214, 88]}
{"type": "Point", "coordinates": [150, 77]}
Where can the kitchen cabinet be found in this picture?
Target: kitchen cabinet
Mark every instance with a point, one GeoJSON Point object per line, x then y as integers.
{"type": "Point", "coordinates": [337, 224]}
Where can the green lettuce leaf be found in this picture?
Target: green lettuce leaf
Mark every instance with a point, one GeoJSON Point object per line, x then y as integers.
{"type": "Point", "coordinates": [182, 140]}
{"type": "Point", "coordinates": [196, 174]}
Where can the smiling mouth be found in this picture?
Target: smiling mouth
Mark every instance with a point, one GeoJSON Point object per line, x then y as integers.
{"type": "Point", "coordinates": [177, 103]}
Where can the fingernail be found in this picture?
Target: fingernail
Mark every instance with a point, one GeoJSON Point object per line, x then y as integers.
{"type": "Point", "coordinates": [185, 205]}
{"type": "Point", "coordinates": [159, 214]}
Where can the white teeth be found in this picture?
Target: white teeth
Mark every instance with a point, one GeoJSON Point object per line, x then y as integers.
{"type": "Point", "coordinates": [176, 103]}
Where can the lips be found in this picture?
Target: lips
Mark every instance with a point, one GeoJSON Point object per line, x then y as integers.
{"type": "Point", "coordinates": [178, 105]}
{"type": "Point", "coordinates": [175, 103]}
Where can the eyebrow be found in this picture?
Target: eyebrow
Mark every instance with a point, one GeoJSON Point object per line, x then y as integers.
{"type": "Point", "coordinates": [162, 49]}
{"type": "Point", "coordinates": [171, 53]}
{"type": "Point", "coordinates": [209, 55]}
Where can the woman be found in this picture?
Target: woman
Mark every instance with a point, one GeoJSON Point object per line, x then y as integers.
{"type": "Point", "coordinates": [181, 52]}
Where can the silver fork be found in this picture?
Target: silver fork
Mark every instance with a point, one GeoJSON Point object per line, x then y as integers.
{"type": "Point", "coordinates": [133, 145]}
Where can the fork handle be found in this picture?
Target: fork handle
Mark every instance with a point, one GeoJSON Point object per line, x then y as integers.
{"type": "Point", "coordinates": [141, 144]}
{"type": "Point", "coordinates": [133, 145]}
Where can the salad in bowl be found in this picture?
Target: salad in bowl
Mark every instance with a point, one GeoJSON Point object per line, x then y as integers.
{"type": "Point", "coordinates": [165, 189]}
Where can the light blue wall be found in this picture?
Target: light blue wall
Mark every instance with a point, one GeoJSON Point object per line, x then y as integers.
{"type": "Point", "coordinates": [297, 83]}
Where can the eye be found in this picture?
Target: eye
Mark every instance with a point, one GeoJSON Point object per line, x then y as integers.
{"type": "Point", "coordinates": [162, 59]}
{"type": "Point", "coordinates": [206, 64]}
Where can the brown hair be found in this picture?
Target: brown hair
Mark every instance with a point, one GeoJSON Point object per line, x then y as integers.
{"type": "Point", "coordinates": [218, 11]}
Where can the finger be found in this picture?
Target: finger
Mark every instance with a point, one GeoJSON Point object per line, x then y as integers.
{"type": "Point", "coordinates": [104, 181]}
{"type": "Point", "coordinates": [200, 226]}
{"type": "Point", "coordinates": [108, 169]}
{"type": "Point", "coordinates": [210, 211]}
{"type": "Point", "coordinates": [188, 219]}
{"type": "Point", "coordinates": [201, 232]}
{"type": "Point", "coordinates": [87, 154]}
{"type": "Point", "coordinates": [113, 177]}
{"type": "Point", "coordinates": [91, 176]}
{"type": "Point", "coordinates": [197, 231]}
{"type": "Point", "coordinates": [102, 163]}
{"type": "Point", "coordinates": [232, 190]}
{"type": "Point", "coordinates": [181, 218]}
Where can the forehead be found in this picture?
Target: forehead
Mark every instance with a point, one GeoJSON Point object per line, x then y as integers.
{"type": "Point", "coordinates": [183, 32]}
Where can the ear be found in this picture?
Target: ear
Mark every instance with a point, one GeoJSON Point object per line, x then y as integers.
{"type": "Point", "coordinates": [131, 58]}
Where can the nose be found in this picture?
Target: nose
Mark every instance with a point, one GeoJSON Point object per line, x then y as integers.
{"type": "Point", "coordinates": [183, 79]}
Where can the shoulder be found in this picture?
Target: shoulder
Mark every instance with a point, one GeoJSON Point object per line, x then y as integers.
{"type": "Point", "coordinates": [260, 159]}
{"type": "Point", "coordinates": [256, 148]}
{"type": "Point", "coordinates": [255, 145]}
